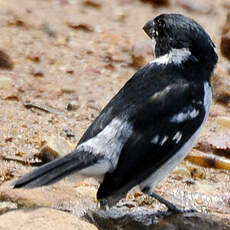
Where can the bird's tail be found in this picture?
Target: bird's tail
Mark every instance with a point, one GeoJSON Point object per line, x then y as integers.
{"type": "Point", "coordinates": [57, 169]}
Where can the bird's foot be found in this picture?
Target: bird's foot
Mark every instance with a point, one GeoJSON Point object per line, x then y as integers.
{"type": "Point", "coordinates": [177, 210]}
{"type": "Point", "coordinates": [171, 207]}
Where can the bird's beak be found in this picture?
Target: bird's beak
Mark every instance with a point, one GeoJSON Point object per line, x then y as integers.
{"type": "Point", "coordinates": [149, 28]}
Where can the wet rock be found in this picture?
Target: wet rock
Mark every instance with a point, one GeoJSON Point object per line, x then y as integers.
{"type": "Point", "coordinates": [53, 147]}
{"type": "Point", "coordinates": [146, 219]}
{"type": "Point", "coordinates": [42, 218]}
{"type": "Point", "coordinates": [6, 83]}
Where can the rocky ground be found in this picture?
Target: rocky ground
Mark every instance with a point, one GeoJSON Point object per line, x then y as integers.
{"type": "Point", "coordinates": [61, 61]}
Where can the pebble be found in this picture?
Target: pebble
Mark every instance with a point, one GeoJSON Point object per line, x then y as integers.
{"type": "Point", "coordinates": [36, 71]}
{"type": "Point", "coordinates": [73, 105]}
{"type": "Point", "coordinates": [53, 147]}
{"type": "Point", "coordinates": [197, 172]}
{"type": "Point", "coordinates": [225, 40]}
{"type": "Point", "coordinates": [6, 83]}
{"type": "Point", "coordinates": [181, 171]}
{"type": "Point", "coordinates": [5, 61]}
{"type": "Point", "coordinates": [5, 206]}
{"type": "Point", "coordinates": [92, 3]}
{"type": "Point", "coordinates": [225, 45]}
{"type": "Point", "coordinates": [68, 89]}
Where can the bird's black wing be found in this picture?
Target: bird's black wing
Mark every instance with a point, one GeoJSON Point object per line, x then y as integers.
{"type": "Point", "coordinates": [166, 121]}
{"type": "Point", "coordinates": [144, 83]}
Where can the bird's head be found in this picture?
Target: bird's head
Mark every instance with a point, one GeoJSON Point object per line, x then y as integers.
{"type": "Point", "coordinates": [176, 31]}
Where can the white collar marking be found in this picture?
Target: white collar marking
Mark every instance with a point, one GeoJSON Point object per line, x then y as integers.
{"type": "Point", "coordinates": [176, 56]}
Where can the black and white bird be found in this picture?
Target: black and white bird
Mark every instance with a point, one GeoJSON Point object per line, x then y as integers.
{"type": "Point", "coordinates": [152, 122]}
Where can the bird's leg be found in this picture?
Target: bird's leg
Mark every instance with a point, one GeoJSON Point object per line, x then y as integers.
{"type": "Point", "coordinates": [103, 204]}
{"type": "Point", "coordinates": [171, 207]}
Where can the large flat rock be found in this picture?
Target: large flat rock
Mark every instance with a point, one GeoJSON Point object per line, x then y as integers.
{"type": "Point", "coordinates": [42, 218]}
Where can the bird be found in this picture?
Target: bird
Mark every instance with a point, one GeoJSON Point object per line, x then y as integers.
{"type": "Point", "coordinates": [151, 124]}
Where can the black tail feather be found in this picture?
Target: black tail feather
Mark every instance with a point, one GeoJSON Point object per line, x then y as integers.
{"type": "Point", "coordinates": [57, 169]}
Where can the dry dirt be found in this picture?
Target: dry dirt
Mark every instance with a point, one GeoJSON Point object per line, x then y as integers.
{"type": "Point", "coordinates": [70, 57]}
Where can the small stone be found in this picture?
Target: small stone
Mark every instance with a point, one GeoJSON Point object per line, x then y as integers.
{"type": "Point", "coordinates": [37, 71]}
{"type": "Point", "coordinates": [5, 61]}
{"type": "Point", "coordinates": [181, 171]}
{"type": "Point", "coordinates": [68, 132]}
{"type": "Point", "coordinates": [120, 15]}
{"type": "Point", "coordinates": [197, 172]}
{"type": "Point", "coordinates": [53, 147]}
{"type": "Point", "coordinates": [161, 2]}
{"type": "Point", "coordinates": [34, 56]}
{"type": "Point", "coordinates": [80, 26]}
{"type": "Point", "coordinates": [199, 201]}
{"type": "Point", "coordinates": [158, 2]}
{"type": "Point", "coordinates": [49, 30]}
{"type": "Point", "coordinates": [225, 45]}
{"type": "Point", "coordinates": [92, 3]}
{"type": "Point", "coordinates": [68, 89]}
{"type": "Point", "coordinates": [6, 83]}
{"type": "Point", "coordinates": [73, 105]}
{"type": "Point", "coordinates": [221, 85]}
{"type": "Point", "coordinates": [8, 139]}
{"type": "Point", "coordinates": [225, 40]}
{"type": "Point", "coordinates": [5, 206]}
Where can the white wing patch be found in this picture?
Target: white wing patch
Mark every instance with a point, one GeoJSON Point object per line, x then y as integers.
{"type": "Point", "coordinates": [166, 168]}
{"type": "Point", "coordinates": [177, 137]}
{"type": "Point", "coordinates": [181, 117]}
{"type": "Point", "coordinates": [109, 142]}
{"type": "Point", "coordinates": [155, 139]}
{"type": "Point", "coordinates": [165, 138]}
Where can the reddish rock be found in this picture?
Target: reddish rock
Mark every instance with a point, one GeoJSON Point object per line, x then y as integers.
{"type": "Point", "coordinates": [225, 40]}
